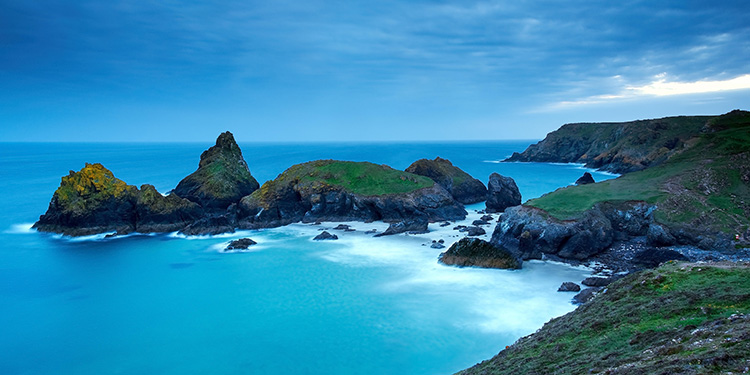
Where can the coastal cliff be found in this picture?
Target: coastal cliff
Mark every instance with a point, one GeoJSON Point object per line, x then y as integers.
{"type": "Point", "coordinates": [616, 147]}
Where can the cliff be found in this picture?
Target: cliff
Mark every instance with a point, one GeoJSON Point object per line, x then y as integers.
{"type": "Point", "coordinates": [616, 147]}
{"type": "Point", "coordinates": [682, 318]}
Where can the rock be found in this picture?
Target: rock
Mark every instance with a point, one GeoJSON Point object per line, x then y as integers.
{"type": "Point", "coordinates": [445, 224]}
{"type": "Point", "coordinates": [209, 225]}
{"type": "Point", "coordinates": [157, 213]}
{"type": "Point", "coordinates": [330, 190]}
{"type": "Point", "coordinates": [585, 295]}
{"type": "Point", "coordinates": [437, 245]}
{"type": "Point", "coordinates": [530, 232]}
{"type": "Point", "coordinates": [240, 244]}
{"type": "Point", "coordinates": [479, 253]}
{"type": "Point", "coordinates": [596, 281]}
{"type": "Point", "coordinates": [371, 231]}
{"type": "Point", "coordinates": [342, 227]}
{"type": "Point", "coordinates": [222, 177]}
{"type": "Point", "coordinates": [569, 287]}
{"type": "Point", "coordinates": [475, 231]}
{"type": "Point", "coordinates": [325, 236]}
{"type": "Point", "coordinates": [461, 185]}
{"type": "Point", "coordinates": [658, 235]}
{"type": "Point", "coordinates": [586, 179]}
{"type": "Point", "coordinates": [479, 222]}
{"type": "Point", "coordinates": [487, 218]}
{"type": "Point", "coordinates": [413, 226]}
{"type": "Point", "coordinates": [460, 228]}
{"type": "Point", "coordinates": [502, 193]}
{"type": "Point", "coordinates": [652, 258]}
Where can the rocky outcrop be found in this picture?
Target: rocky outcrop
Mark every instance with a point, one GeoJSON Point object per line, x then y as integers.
{"type": "Point", "coordinates": [569, 286]}
{"type": "Point", "coordinates": [411, 226]}
{"type": "Point", "coordinates": [93, 201]}
{"type": "Point", "coordinates": [240, 244]}
{"type": "Point", "coordinates": [329, 190]}
{"type": "Point", "coordinates": [222, 177]}
{"type": "Point", "coordinates": [479, 253]}
{"type": "Point", "coordinates": [459, 184]}
{"type": "Point", "coordinates": [502, 193]}
{"type": "Point", "coordinates": [586, 179]}
{"type": "Point", "coordinates": [615, 147]}
{"type": "Point", "coordinates": [324, 235]}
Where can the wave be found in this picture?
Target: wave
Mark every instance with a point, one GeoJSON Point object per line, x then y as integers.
{"type": "Point", "coordinates": [23, 228]}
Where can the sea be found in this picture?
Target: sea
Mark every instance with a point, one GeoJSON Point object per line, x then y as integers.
{"type": "Point", "coordinates": [174, 304]}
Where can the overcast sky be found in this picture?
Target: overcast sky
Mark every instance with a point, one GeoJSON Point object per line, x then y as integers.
{"type": "Point", "coordinates": [310, 70]}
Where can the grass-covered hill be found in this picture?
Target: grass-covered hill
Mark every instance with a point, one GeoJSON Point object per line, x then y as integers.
{"type": "Point", "coordinates": [681, 318]}
{"type": "Point", "coordinates": [618, 147]}
{"type": "Point", "coordinates": [705, 185]}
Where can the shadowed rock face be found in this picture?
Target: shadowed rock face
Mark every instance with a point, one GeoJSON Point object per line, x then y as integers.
{"type": "Point", "coordinates": [479, 253]}
{"type": "Point", "coordinates": [502, 193]}
{"type": "Point", "coordinates": [460, 184]}
{"type": "Point", "coordinates": [93, 200]}
{"type": "Point", "coordinates": [222, 177]}
{"type": "Point", "coordinates": [586, 179]}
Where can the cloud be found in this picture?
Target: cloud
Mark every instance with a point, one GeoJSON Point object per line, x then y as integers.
{"type": "Point", "coordinates": [660, 87]}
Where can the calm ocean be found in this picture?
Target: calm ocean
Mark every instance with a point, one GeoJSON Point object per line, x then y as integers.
{"type": "Point", "coordinates": [166, 304]}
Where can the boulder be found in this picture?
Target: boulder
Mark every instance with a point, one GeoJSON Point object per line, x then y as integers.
{"type": "Point", "coordinates": [479, 253]}
{"type": "Point", "coordinates": [461, 185]}
{"type": "Point", "coordinates": [658, 235]}
{"type": "Point", "coordinates": [585, 295]}
{"type": "Point", "coordinates": [502, 193]}
{"type": "Point", "coordinates": [412, 226]}
{"type": "Point", "coordinates": [479, 222]}
{"type": "Point", "coordinates": [240, 244]}
{"type": "Point", "coordinates": [475, 231]}
{"type": "Point", "coordinates": [586, 179]}
{"type": "Point", "coordinates": [325, 236]}
{"type": "Point", "coordinates": [222, 177]}
{"type": "Point", "coordinates": [569, 287]}
{"type": "Point", "coordinates": [596, 281]}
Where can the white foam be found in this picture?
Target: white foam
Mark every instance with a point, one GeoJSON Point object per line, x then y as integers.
{"type": "Point", "coordinates": [24, 228]}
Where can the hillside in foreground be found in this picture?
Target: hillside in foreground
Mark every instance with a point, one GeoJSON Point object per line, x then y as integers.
{"type": "Point", "coordinates": [681, 318]}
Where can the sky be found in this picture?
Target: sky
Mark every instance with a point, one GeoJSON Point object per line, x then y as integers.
{"type": "Point", "coordinates": [311, 70]}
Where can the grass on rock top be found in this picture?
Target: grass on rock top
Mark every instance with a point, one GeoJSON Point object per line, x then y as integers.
{"type": "Point", "coordinates": [362, 178]}
{"type": "Point", "coordinates": [677, 319]}
{"type": "Point", "coordinates": [703, 185]}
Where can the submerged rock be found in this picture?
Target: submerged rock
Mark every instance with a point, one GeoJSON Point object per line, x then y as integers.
{"type": "Point", "coordinates": [325, 236]}
{"type": "Point", "coordinates": [569, 287]}
{"type": "Point", "coordinates": [479, 253]}
{"type": "Point", "coordinates": [222, 177]}
{"type": "Point", "coordinates": [586, 179]}
{"type": "Point", "coordinates": [502, 193]}
{"type": "Point", "coordinates": [461, 185]}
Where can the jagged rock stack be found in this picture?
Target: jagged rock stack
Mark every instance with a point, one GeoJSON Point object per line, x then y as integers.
{"type": "Point", "coordinates": [502, 193]}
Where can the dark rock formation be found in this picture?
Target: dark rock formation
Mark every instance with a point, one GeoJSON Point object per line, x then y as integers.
{"type": "Point", "coordinates": [222, 177]}
{"type": "Point", "coordinates": [460, 184]}
{"type": "Point", "coordinates": [615, 147]}
{"type": "Point", "coordinates": [475, 231]}
{"type": "Point", "coordinates": [502, 193]}
{"type": "Point", "coordinates": [585, 295]}
{"type": "Point", "coordinates": [93, 201]}
{"type": "Point", "coordinates": [240, 244]}
{"type": "Point", "coordinates": [597, 281]}
{"type": "Point", "coordinates": [658, 235]}
{"type": "Point", "coordinates": [437, 245]}
{"type": "Point", "coordinates": [651, 258]}
{"type": "Point", "coordinates": [569, 287]}
{"type": "Point", "coordinates": [586, 179]}
{"type": "Point", "coordinates": [479, 253]}
{"type": "Point", "coordinates": [412, 226]}
{"type": "Point", "coordinates": [328, 190]}
{"type": "Point", "coordinates": [325, 236]}
{"type": "Point", "coordinates": [479, 222]}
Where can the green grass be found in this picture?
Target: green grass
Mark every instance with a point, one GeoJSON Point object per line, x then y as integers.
{"type": "Point", "coordinates": [650, 320]}
{"type": "Point", "coordinates": [362, 178]}
{"type": "Point", "coordinates": [702, 185]}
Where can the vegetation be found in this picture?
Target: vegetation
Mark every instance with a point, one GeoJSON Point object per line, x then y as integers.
{"type": "Point", "coordinates": [682, 318]}
{"type": "Point", "coordinates": [705, 184]}
{"type": "Point", "coordinates": [360, 178]}
{"type": "Point", "coordinates": [89, 187]}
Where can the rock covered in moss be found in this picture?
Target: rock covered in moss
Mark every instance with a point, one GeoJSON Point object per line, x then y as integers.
{"type": "Point", "coordinates": [460, 184]}
{"type": "Point", "coordinates": [331, 190]}
{"type": "Point", "coordinates": [479, 253]}
{"type": "Point", "coordinates": [222, 177]}
{"type": "Point", "coordinates": [90, 201]}
{"type": "Point", "coordinates": [93, 201]}
{"type": "Point", "coordinates": [502, 193]}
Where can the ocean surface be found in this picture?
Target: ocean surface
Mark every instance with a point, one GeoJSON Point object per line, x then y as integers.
{"type": "Point", "coordinates": [169, 304]}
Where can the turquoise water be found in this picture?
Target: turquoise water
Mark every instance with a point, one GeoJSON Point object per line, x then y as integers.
{"type": "Point", "coordinates": [166, 304]}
